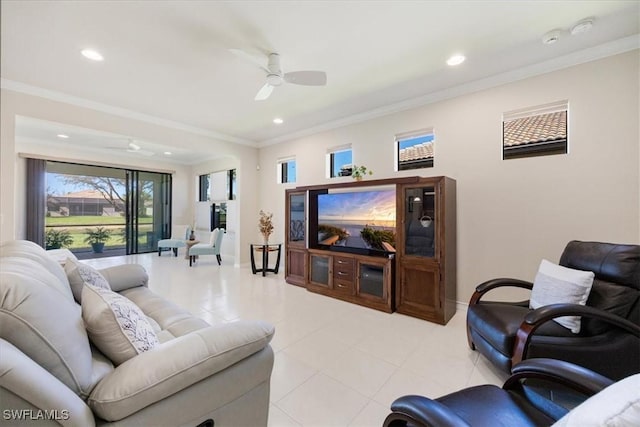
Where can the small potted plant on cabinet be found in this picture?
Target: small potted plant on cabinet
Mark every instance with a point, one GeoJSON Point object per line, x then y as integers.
{"type": "Point", "coordinates": [359, 172]}
{"type": "Point", "coordinates": [56, 239]}
{"type": "Point", "coordinates": [97, 238]}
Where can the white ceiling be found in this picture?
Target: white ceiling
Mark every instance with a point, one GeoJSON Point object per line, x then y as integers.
{"type": "Point", "coordinates": [170, 60]}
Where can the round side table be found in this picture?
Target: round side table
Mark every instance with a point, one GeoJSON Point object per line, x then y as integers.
{"type": "Point", "coordinates": [189, 244]}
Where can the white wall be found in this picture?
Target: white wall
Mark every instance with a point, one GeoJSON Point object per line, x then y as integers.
{"type": "Point", "coordinates": [512, 213]}
{"type": "Point", "coordinates": [12, 167]}
{"type": "Point", "coordinates": [242, 213]}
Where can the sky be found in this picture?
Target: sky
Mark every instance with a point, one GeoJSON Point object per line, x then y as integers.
{"type": "Point", "coordinates": [360, 205]}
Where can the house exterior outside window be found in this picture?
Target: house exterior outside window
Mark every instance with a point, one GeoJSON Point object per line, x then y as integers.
{"type": "Point", "coordinates": [536, 131]}
{"type": "Point", "coordinates": [339, 161]}
{"type": "Point", "coordinates": [415, 150]}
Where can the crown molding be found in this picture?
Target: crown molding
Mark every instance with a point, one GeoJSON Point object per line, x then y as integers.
{"type": "Point", "coordinates": [615, 47]}
{"type": "Point", "coordinates": [117, 111]}
{"type": "Point", "coordinates": [586, 55]}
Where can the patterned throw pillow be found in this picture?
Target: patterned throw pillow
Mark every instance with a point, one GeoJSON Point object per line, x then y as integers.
{"type": "Point", "coordinates": [79, 273]}
{"type": "Point", "coordinates": [115, 325]}
{"type": "Point", "coordinates": [556, 284]}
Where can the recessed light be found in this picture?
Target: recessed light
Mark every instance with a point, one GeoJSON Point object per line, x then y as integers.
{"type": "Point", "coordinates": [92, 54]}
{"type": "Point", "coordinates": [278, 121]}
{"type": "Point", "coordinates": [455, 60]}
{"type": "Point", "coordinates": [582, 26]}
{"type": "Point", "coordinates": [167, 153]}
{"type": "Point", "coordinates": [63, 136]}
{"type": "Point", "coordinates": [551, 37]}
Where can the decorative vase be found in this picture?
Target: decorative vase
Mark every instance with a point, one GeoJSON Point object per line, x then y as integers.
{"type": "Point", "coordinates": [358, 177]}
{"type": "Point", "coordinates": [192, 236]}
{"type": "Point", "coordinates": [266, 239]}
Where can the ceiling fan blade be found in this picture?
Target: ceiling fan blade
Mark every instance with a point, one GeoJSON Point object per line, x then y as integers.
{"type": "Point", "coordinates": [141, 152]}
{"type": "Point", "coordinates": [307, 78]}
{"type": "Point", "coordinates": [264, 92]}
{"type": "Point", "coordinates": [257, 60]}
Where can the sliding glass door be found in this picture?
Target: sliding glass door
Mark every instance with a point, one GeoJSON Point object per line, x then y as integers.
{"type": "Point", "coordinates": [148, 210]}
{"type": "Point", "coordinates": [126, 210]}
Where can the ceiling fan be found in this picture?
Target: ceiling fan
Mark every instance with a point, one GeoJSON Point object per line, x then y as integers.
{"type": "Point", "coordinates": [275, 76]}
{"type": "Point", "coordinates": [132, 147]}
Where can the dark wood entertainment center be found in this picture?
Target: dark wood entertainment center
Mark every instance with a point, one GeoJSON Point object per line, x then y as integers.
{"type": "Point", "coordinates": [417, 277]}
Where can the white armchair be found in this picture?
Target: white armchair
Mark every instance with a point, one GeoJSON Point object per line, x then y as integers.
{"type": "Point", "coordinates": [179, 235]}
{"type": "Point", "coordinates": [210, 248]}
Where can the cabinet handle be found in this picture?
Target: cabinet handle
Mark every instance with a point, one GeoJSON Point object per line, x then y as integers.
{"type": "Point", "coordinates": [341, 286]}
{"type": "Point", "coordinates": [341, 273]}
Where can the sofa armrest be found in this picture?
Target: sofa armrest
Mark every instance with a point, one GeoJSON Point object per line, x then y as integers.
{"type": "Point", "coordinates": [125, 276]}
{"type": "Point", "coordinates": [27, 381]}
{"type": "Point", "coordinates": [175, 365]}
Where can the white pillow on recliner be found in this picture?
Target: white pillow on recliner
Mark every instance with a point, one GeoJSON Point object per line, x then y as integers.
{"type": "Point", "coordinates": [555, 284]}
{"type": "Point", "coordinates": [616, 406]}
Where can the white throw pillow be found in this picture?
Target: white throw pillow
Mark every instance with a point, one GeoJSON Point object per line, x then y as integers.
{"type": "Point", "coordinates": [555, 284]}
{"type": "Point", "coordinates": [617, 405]}
{"type": "Point", "coordinates": [79, 273]}
{"type": "Point", "coordinates": [115, 325]}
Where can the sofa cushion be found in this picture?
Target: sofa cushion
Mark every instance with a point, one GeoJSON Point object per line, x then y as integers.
{"type": "Point", "coordinates": [79, 273]}
{"type": "Point", "coordinates": [170, 317]}
{"type": "Point", "coordinates": [176, 365]}
{"type": "Point", "coordinates": [555, 284]}
{"type": "Point", "coordinates": [116, 326]}
{"type": "Point", "coordinates": [46, 325]}
{"type": "Point", "coordinates": [29, 250]}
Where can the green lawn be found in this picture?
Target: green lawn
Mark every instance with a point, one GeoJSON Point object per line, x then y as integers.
{"type": "Point", "coordinates": [77, 229]}
{"type": "Point", "coordinates": [64, 221]}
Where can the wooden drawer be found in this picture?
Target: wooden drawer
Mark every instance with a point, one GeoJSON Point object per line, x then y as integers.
{"type": "Point", "coordinates": [343, 286]}
{"type": "Point", "coordinates": [343, 268]}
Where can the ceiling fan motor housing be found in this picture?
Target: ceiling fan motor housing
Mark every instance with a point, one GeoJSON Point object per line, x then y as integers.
{"type": "Point", "coordinates": [274, 77]}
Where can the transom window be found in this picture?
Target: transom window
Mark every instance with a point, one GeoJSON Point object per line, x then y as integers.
{"type": "Point", "coordinates": [535, 131]}
{"type": "Point", "coordinates": [286, 170]}
{"type": "Point", "coordinates": [415, 149]}
{"type": "Point", "coordinates": [339, 161]}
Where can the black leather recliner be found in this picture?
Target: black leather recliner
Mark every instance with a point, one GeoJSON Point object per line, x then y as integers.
{"type": "Point", "coordinates": [609, 340]}
{"type": "Point", "coordinates": [538, 393]}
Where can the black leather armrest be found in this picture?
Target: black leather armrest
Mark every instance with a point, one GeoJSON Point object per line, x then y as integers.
{"type": "Point", "coordinates": [485, 287]}
{"type": "Point", "coordinates": [424, 412]}
{"type": "Point", "coordinates": [558, 371]}
{"type": "Point", "coordinates": [543, 314]}
{"type": "Point", "coordinates": [537, 317]}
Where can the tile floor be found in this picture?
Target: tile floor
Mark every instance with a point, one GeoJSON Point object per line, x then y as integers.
{"type": "Point", "coordinates": [336, 363]}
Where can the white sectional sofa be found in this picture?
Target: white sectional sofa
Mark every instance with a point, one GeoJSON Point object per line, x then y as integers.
{"type": "Point", "coordinates": [52, 372]}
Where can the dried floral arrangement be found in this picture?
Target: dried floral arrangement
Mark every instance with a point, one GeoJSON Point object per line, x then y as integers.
{"type": "Point", "coordinates": [266, 224]}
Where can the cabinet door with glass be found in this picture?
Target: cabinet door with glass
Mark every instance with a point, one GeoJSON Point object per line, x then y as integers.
{"type": "Point", "coordinates": [426, 266]}
{"type": "Point", "coordinates": [320, 271]}
{"type": "Point", "coordinates": [373, 283]}
{"type": "Point", "coordinates": [295, 238]}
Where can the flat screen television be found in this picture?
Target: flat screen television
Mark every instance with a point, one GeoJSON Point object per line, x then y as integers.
{"type": "Point", "coordinates": [360, 221]}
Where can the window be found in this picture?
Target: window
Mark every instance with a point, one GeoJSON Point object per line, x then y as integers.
{"type": "Point", "coordinates": [286, 170]}
{"type": "Point", "coordinates": [203, 191]}
{"type": "Point", "coordinates": [232, 184]}
{"type": "Point", "coordinates": [415, 149]}
{"type": "Point", "coordinates": [535, 131]}
{"type": "Point", "coordinates": [339, 161]}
